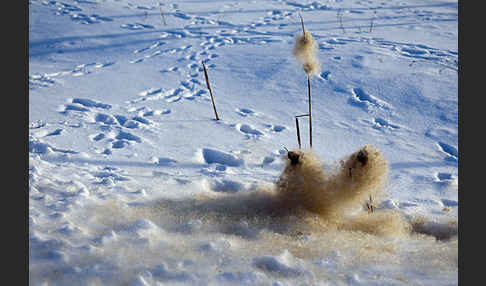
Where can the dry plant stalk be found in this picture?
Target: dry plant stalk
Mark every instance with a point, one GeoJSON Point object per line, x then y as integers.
{"type": "Point", "coordinates": [305, 51]}
{"type": "Point", "coordinates": [162, 15]}
{"type": "Point", "coordinates": [372, 21]}
{"type": "Point", "coordinates": [210, 91]}
{"type": "Point", "coordinates": [298, 129]}
{"type": "Point", "coordinates": [340, 17]}
{"type": "Point", "coordinates": [310, 111]}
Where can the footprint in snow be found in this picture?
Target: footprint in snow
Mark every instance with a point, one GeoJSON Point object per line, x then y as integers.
{"type": "Point", "coordinates": [445, 179]}
{"type": "Point", "coordinates": [275, 128]}
{"type": "Point", "coordinates": [150, 91]}
{"type": "Point", "coordinates": [245, 112]}
{"type": "Point", "coordinates": [89, 19]}
{"type": "Point", "coordinates": [248, 130]}
{"type": "Point", "coordinates": [37, 147]}
{"type": "Point", "coordinates": [136, 26]}
{"type": "Point", "coordinates": [64, 109]}
{"type": "Point", "coordinates": [450, 151]}
{"type": "Point", "coordinates": [382, 124]}
{"type": "Point", "coordinates": [90, 103]}
{"type": "Point", "coordinates": [88, 68]}
{"type": "Point", "coordinates": [97, 137]}
{"type": "Point", "coordinates": [107, 119]}
{"type": "Point", "coordinates": [366, 101]}
{"type": "Point", "coordinates": [172, 69]}
{"type": "Point", "coordinates": [450, 203]}
{"type": "Point", "coordinates": [133, 122]}
{"type": "Point", "coordinates": [151, 47]}
{"type": "Point", "coordinates": [181, 16]}
{"type": "Point", "coordinates": [55, 132]}
{"type": "Point", "coordinates": [40, 81]}
{"type": "Point", "coordinates": [325, 75]}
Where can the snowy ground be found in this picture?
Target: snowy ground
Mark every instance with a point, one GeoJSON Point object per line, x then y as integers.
{"type": "Point", "coordinates": [128, 168]}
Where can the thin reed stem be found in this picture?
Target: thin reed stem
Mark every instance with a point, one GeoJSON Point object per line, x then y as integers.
{"type": "Point", "coordinates": [298, 131]}
{"type": "Point", "coordinates": [303, 29]}
{"type": "Point", "coordinates": [162, 15]}
{"type": "Point", "coordinates": [210, 91]}
{"type": "Point", "coordinates": [310, 110]}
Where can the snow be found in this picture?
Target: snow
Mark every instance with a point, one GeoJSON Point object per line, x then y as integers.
{"type": "Point", "coordinates": [132, 180]}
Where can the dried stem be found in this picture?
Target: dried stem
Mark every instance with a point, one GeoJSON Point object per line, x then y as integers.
{"type": "Point", "coordinates": [310, 110]}
{"type": "Point", "coordinates": [372, 21]}
{"type": "Point", "coordinates": [162, 15]}
{"type": "Point", "coordinates": [302, 115]}
{"type": "Point", "coordinates": [210, 91]}
{"type": "Point", "coordinates": [298, 131]}
{"type": "Point", "coordinates": [340, 17]}
{"type": "Point", "coordinates": [303, 29]}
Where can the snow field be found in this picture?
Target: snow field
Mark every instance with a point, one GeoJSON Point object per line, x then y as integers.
{"type": "Point", "coordinates": [133, 182]}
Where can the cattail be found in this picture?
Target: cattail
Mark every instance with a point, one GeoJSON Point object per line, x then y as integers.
{"type": "Point", "coordinates": [311, 67]}
{"type": "Point", "coordinates": [305, 46]}
{"type": "Point", "coordinates": [305, 51]}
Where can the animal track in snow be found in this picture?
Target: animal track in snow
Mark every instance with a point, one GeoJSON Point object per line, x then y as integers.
{"type": "Point", "coordinates": [150, 91]}
{"type": "Point", "coordinates": [89, 19]}
{"type": "Point", "coordinates": [248, 130]}
{"type": "Point", "coordinates": [362, 99]}
{"type": "Point", "coordinates": [38, 147]}
{"type": "Point", "coordinates": [450, 151]}
{"type": "Point", "coordinates": [107, 119]}
{"type": "Point", "coordinates": [62, 8]}
{"type": "Point", "coordinates": [88, 68]}
{"type": "Point", "coordinates": [182, 16]}
{"type": "Point", "coordinates": [380, 123]}
{"type": "Point", "coordinates": [172, 69]}
{"type": "Point", "coordinates": [325, 75]}
{"type": "Point", "coordinates": [420, 52]}
{"type": "Point", "coordinates": [159, 52]}
{"type": "Point", "coordinates": [45, 133]}
{"type": "Point", "coordinates": [450, 203]}
{"type": "Point", "coordinates": [90, 103]}
{"type": "Point", "coordinates": [122, 135]}
{"type": "Point", "coordinates": [136, 26]}
{"type": "Point", "coordinates": [71, 107]}
{"type": "Point", "coordinates": [275, 128]}
{"type": "Point", "coordinates": [48, 79]}
{"type": "Point", "coordinates": [151, 47]}
{"type": "Point", "coordinates": [245, 112]}
{"type": "Point", "coordinates": [445, 179]}
{"type": "Point", "coordinates": [311, 6]}
{"type": "Point", "coordinates": [55, 132]}
{"type": "Point", "coordinates": [98, 137]}
{"type": "Point", "coordinates": [133, 122]}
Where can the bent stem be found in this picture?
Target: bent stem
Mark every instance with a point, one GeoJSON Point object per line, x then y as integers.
{"type": "Point", "coordinates": [298, 129]}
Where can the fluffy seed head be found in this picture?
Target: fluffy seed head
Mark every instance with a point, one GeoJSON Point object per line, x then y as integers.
{"type": "Point", "coordinates": [305, 51]}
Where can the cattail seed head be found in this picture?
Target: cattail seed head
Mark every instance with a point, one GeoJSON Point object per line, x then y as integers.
{"type": "Point", "coordinates": [305, 51]}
